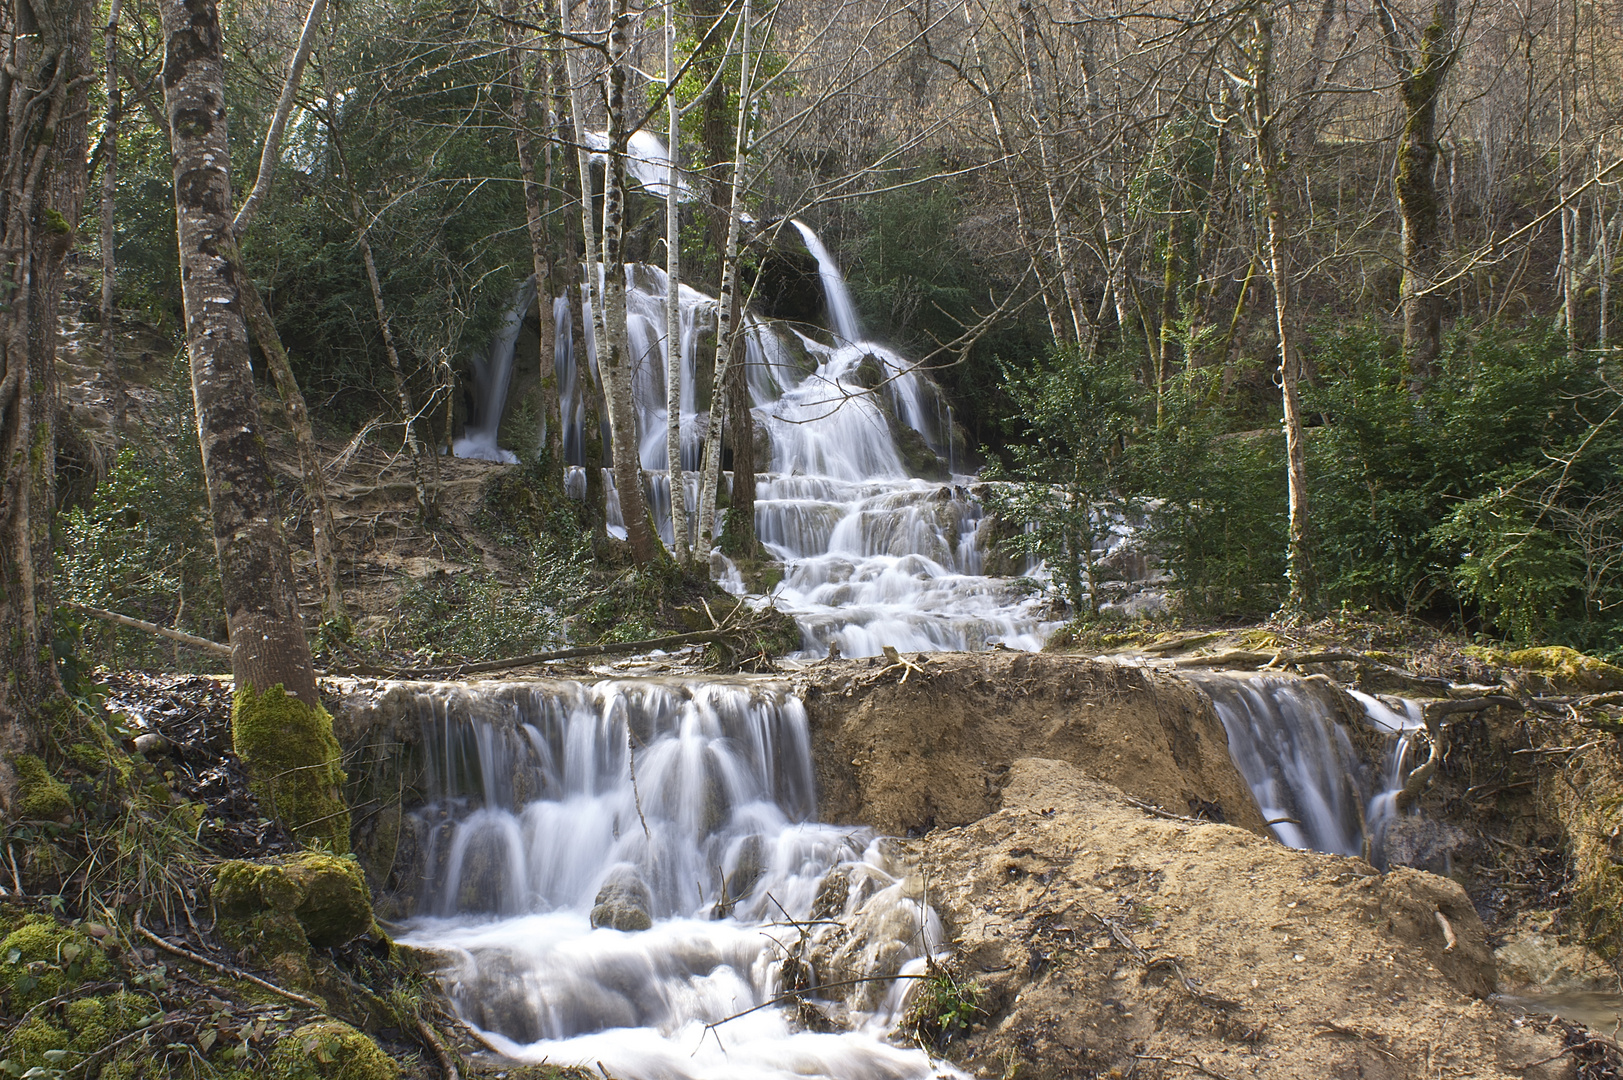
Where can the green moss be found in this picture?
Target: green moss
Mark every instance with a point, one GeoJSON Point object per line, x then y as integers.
{"type": "Point", "coordinates": [329, 1050]}
{"type": "Point", "coordinates": [32, 1040]}
{"type": "Point", "coordinates": [292, 759]}
{"type": "Point", "coordinates": [325, 895]}
{"type": "Point", "coordinates": [97, 1021]}
{"type": "Point", "coordinates": [1568, 669]}
{"type": "Point", "coordinates": [43, 959]}
{"type": "Point", "coordinates": [40, 795]}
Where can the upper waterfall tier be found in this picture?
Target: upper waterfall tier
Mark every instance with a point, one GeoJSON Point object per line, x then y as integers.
{"type": "Point", "coordinates": [874, 553]}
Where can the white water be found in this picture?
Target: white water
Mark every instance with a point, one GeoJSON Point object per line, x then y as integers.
{"type": "Point", "coordinates": [1286, 740]}
{"type": "Point", "coordinates": [535, 807]}
{"type": "Point", "coordinates": [872, 555]}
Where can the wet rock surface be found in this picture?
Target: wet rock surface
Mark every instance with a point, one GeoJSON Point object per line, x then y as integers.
{"type": "Point", "coordinates": [623, 902]}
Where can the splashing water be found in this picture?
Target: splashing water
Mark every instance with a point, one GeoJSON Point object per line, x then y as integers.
{"type": "Point", "coordinates": [686, 805]}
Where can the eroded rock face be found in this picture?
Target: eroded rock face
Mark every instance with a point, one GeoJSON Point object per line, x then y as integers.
{"type": "Point", "coordinates": [1081, 917]}
{"type": "Point", "coordinates": [935, 750]}
{"type": "Point", "coordinates": [623, 902]}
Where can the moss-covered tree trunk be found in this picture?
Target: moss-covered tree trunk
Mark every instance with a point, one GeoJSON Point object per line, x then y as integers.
{"type": "Point", "coordinates": [42, 191]}
{"type": "Point", "coordinates": [279, 728]}
{"type": "Point", "coordinates": [1420, 84]}
{"type": "Point", "coordinates": [727, 308]}
{"type": "Point", "coordinates": [540, 246]}
{"type": "Point", "coordinates": [673, 303]}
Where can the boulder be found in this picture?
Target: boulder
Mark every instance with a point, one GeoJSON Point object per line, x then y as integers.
{"type": "Point", "coordinates": [623, 902]}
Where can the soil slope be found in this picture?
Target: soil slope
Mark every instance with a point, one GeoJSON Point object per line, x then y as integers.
{"type": "Point", "coordinates": [1080, 917]}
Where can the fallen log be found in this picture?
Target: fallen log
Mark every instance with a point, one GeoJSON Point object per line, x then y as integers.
{"type": "Point", "coordinates": [189, 640]}
{"type": "Point", "coordinates": [611, 648]}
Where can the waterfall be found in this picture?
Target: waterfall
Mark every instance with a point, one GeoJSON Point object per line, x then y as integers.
{"type": "Point", "coordinates": [681, 811]}
{"type": "Point", "coordinates": [873, 554]}
{"type": "Point", "coordinates": [1309, 781]}
{"type": "Point", "coordinates": [842, 312]}
{"type": "Point", "coordinates": [492, 375]}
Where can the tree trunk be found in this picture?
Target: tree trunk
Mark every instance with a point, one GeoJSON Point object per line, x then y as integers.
{"type": "Point", "coordinates": [1022, 216]}
{"type": "Point", "coordinates": [1298, 557]}
{"type": "Point", "coordinates": [1079, 328]}
{"type": "Point", "coordinates": [42, 190]}
{"type": "Point", "coordinates": [279, 728]}
{"type": "Point", "coordinates": [540, 249]}
{"type": "Point", "coordinates": [1420, 83]}
{"type": "Point", "coordinates": [739, 539]}
{"type": "Point", "coordinates": [726, 332]}
{"type": "Point", "coordinates": [271, 153]}
{"type": "Point", "coordinates": [109, 200]}
{"type": "Point", "coordinates": [673, 304]}
{"type": "Point", "coordinates": [323, 532]}
{"type": "Point", "coordinates": [614, 356]}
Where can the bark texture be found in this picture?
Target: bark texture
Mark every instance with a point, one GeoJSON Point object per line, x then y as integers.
{"type": "Point", "coordinates": [673, 306]}
{"type": "Point", "coordinates": [44, 133]}
{"type": "Point", "coordinates": [1420, 83]}
{"type": "Point", "coordinates": [726, 305]}
{"type": "Point", "coordinates": [1271, 164]}
{"type": "Point", "coordinates": [614, 353]}
{"type": "Point", "coordinates": [546, 288]}
{"type": "Point", "coordinates": [268, 647]}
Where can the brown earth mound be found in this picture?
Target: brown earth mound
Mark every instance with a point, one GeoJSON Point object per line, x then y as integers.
{"type": "Point", "coordinates": [905, 750]}
{"type": "Point", "coordinates": [1109, 942]}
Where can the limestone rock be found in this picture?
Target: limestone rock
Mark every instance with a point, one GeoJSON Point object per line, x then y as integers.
{"type": "Point", "coordinates": [623, 902]}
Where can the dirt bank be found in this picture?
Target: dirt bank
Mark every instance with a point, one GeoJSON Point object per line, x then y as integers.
{"type": "Point", "coordinates": [934, 748]}
{"type": "Point", "coordinates": [1079, 917]}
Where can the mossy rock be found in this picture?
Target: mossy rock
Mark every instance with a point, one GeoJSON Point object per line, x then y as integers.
{"type": "Point", "coordinates": [44, 958]}
{"type": "Point", "coordinates": [330, 1050]}
{"type": "Point", "coordinates": [1567, 670]}
{"type": "Point", "coordinates": [40, 796]}
{"type": "Point", "coordinates": [326, 894]}
{"type": "Point", "coordinates": [292, 758]}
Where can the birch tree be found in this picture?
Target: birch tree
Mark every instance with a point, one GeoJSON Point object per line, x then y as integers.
{"type": "Point", "coordinates": [614, 354]}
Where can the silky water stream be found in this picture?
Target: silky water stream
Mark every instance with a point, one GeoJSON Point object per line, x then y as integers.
{"type": "Point", "coordinates": [685, 808]}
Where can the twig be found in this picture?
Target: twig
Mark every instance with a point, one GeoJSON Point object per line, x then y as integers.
{"type": "Point", "coordinates": [898, 661]}
{"type": "Point", "coordinates": [225, 969]}
{"type": "Point", "coordinates": [203, 644]}
{"type": "Point", "coordinates": [1150, 808]}
{"type": "Point", "coordinates": [447, 1066]}
{"type": "Point", "coordinates": [636, 796]}
{"type": "Point", "coordinates": [1448, 932]}
{"type": "Point", "coordinates": [1283, 658]}
{"type": "Point", "coordinates": [1192, 1063]}
{"type": "Point", "coordinates": [605, 649]}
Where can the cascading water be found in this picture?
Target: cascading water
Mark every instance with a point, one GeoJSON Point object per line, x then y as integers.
{"type": "Point", "coordinates": [678, 810]}
{"type": "Point", "coordinates": [873, 556]}
{"type": "Point", "coordinates": [1309, 781]}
